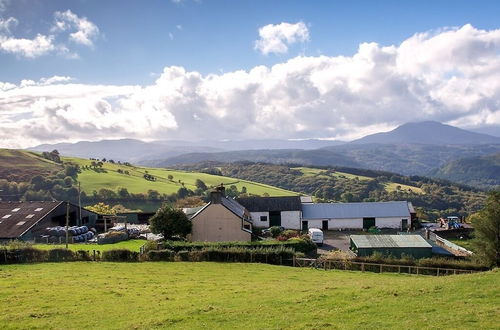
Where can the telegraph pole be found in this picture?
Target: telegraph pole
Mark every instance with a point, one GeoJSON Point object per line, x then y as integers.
{"type": "Point", "coordinates": [67, 223]}
{"type": "Point", "coordinates": [79, 205]}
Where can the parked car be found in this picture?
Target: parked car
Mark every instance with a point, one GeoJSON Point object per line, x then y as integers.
{"type": "Point", "coordinates": [316, 236]}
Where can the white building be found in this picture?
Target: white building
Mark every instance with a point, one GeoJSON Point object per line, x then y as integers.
{"type": "Point", "coordinates": [274, 211]}
{"type": "Point", "coordinates": [328, 216]}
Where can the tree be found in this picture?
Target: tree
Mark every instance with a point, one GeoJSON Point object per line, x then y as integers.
{"type": "Point", "coordinates": [101, 208]}
{"type": "Point", "coordinates": [170, 177]}
{"type": "Point", "coordinates": [170, 222]}
{"type": "Point", "coordinates": [200, 185]}
{"type": "Point", "coordinates": [487, 230]}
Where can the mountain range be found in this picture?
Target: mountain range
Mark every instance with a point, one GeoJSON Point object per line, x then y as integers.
{"type": "Point", "coordinates": [411, 149]}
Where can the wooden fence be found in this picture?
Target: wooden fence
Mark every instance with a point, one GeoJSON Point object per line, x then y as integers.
{"type": "Point", "coordinates": [377, 268]}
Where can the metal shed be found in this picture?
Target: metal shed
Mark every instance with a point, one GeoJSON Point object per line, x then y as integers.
{"type": "Point", "coordinates": [395, 245]}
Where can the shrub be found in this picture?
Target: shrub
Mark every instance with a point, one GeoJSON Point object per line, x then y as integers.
{"type": "Point", "coordinates": [22, 255]}
{"type": "Point", "coordinates": [275, 231]}
{"type": "Point", "coordinates": [289, 233]}
{"type": "Point", "coordinates": [183, 255]}
{"type": "Point", "coordinates": [61, 255]}
{"type": "Point", "coordinates": [120, 255]}
{"type": "Point", "coordinates": [275, 256]}
{"type": "Point", "coordinates": [161, 255]}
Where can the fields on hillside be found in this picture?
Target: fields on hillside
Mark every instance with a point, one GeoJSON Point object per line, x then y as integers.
{"type": "Point", "coordinates": [239, 296]}
{"type": "Point", "coordinates": [108, 177]}
{"type": "Point", "coordinates": [21, 166]}
{"type": "Point", "coordinates": [390, 186]}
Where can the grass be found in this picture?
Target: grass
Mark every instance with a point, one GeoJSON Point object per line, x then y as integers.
{"type": "Point", "coordinates": [390, 186]}
{"type": "Point", "coordinates": [465, 243]}
{"type": "Point", "coordinates": [135, 183]}
{"type": "Point", "coordinates": [239, 296]}
{"type": "Point", "coordinates": [132, 245]}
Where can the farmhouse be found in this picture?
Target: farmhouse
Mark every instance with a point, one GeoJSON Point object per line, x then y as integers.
{"type": "Point", "coordinates": [395, 245]}
{"type": "Point", "coordinates": [396, 215]}
{"type": "Point", "coordinates": [274, 211]}
{"type": "Point", "coordinates": [27, 220]}
{"type": "Point", "coordinates": [222, 219]}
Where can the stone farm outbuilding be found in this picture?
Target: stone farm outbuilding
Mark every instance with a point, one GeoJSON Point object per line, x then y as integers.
{"type": "Point", "coordinates": [267, 212]}
{"type": "Point", "coordinates": [395, 245]}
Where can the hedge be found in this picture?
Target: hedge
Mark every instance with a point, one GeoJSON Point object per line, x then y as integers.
{"type": "Point", "coordinates": [120, 255]}
{"type": "Point", "coordinates": [297, 245]}
{"type": "Point", "coordinates": [30, 255]}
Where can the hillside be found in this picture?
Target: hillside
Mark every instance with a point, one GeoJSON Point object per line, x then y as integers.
{"type": "Point", "coordinates": [428, 132]}
{"type": "Point", "coordinates": [340, 184]}
{"type": "Point", "coordinates": [481, 171]}
{"type": "Point", "coordinates": [108, 177]}
{"type": "Point", "coordinates": [152, 295]}
{"type": "Point", "coordinates": [21, 166]}
{"type": "Point", "coordinates": [407, 159]}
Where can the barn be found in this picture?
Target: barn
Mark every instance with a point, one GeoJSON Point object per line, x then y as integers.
{"type": "Point", "coordinates": [274, 211]}
{"type": "Point", "coordinates": [326, 216]}
{"type": "Point", "coordinates": [391, 245]}
{"type": "Point", "coordinates": [27, 220]}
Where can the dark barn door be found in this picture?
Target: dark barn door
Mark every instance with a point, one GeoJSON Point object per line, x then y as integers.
{"type": "Point", "coordinates": [274, 218]}
{"type": "Point", "coordinates": [368, 222]}
{"type": "Point", "coordinates": [305, 225]}
{"type": "Point", "coordinates": [324, 225]}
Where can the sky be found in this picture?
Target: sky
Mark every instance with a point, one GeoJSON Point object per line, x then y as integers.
{"type": "Point", "coordinates": [74, 70]}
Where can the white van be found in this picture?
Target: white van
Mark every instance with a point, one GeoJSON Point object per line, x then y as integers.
{"type": "Point", "coordinates": [316, 236]}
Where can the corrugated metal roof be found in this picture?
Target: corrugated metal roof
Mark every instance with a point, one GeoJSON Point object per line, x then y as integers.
{"type": "Point", "coordinates": [389, 241]}
{"type": "Point", "coordinates": [355, 210]}
{"type": "Point", "coordinates": [267, 204]}
{"type": "Point", "coordinates": [234, 207]}
{"type": "Point", "coordinates": [18, 217]}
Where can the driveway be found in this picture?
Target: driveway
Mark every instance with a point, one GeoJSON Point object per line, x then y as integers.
{"type": "Point", "coordinates": [335, 240]}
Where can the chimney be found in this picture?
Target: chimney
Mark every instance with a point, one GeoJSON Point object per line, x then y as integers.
{"type": "Point", "coordinates": [217, 194]}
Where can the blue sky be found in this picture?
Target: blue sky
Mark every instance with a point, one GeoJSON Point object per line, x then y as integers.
{"type": "Point", "coordinates": [219, 35]}
{"type": "Point", "coordinates": [163, 69]}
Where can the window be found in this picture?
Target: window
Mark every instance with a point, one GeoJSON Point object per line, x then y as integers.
{"type": "Point", "coordinates": [6, 216]}
{"type": "Point", "coordinates": [16, 209]}
{"type": "Point", "coordinates": [29, 216]}
{"type": "Point", "coordinates": [38, 209]}
{"type": "Point", "coordinates": [263, 218]}
{"type": "Point", "coordinates": [246, 227]}
{"type": "Point", "coordinates": [20, 223]}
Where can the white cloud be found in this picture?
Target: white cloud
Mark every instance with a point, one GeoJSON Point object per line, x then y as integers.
{"type": "Point", "coordinates": [454, 79]}
{"type": "Point", "coordinates": [275, 38]}
{"type": "Point", "coordinates": [86, 31]}
{"type": "Point", "coordinates": [178, 27]}
{"type": "Point", "coordinates": [30, 48]}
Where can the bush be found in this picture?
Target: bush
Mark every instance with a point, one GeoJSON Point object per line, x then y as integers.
{"type": "Point", "coordinates": [22, 255]}
{"type": "Point", "coordinates": [61, 255]}
{"type": "Point", "coordinates": [277, 256]}
{"type": "Point", "coordinates": [161, 255]}
{"type": "Point", "coordinates": [275, 231]}
{"type": "Point", "coordinates": [304, 245]}
{"type": "Point", "coordinates": [120, 255]}
{"type": "Point", "coordinates": [183, 255]}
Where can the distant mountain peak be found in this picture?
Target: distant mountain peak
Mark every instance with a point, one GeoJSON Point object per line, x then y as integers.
{"type": "Point", "coordinates": [428, 132]}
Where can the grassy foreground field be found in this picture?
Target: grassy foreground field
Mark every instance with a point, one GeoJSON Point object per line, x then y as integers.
{"type": "Point", "coordinates": [235, 296]}
{"type": "Point", "coordinates": [132, 245]}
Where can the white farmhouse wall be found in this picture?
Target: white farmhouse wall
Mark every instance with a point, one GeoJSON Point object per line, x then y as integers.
{"type": "Point", "coordinates": [391, 222]}
{"type": "Point", "coordinates": [291, 219]}
{"type": "Point", "coordinates": [257, 223]}
{"type": "Point", "coordinates": [345, 223]}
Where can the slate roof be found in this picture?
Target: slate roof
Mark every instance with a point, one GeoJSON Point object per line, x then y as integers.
{"type": "Point", "coordinates": [389, 241]}
{"type": "Point", "coordinates": [18, 217]}
{"type": "Point", "coordinates": [355, 210]}
{"type": "Point", "coordinates": [230, 204]}
{"type": "Point", "coordinates": [267, 204]}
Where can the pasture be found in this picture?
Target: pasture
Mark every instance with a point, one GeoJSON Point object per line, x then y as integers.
{"type": "Point", "coordinates": [149, 295]}
{"type": "Point", "coordinates": [109, 177]}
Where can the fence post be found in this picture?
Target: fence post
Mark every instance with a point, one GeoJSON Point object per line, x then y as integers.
{"type": "Point", "coordinates": [399, 269]}
{"type": "Point", "coordinates": [417, 269]}
{"type": "Point", "coordinates": [380, 268]}
{"type": "Point", "coordinates": [438, 272]}
{"type": "Point", "coordinates": [293, 260]}
{"type": "Point", "coordinates": [362, 266]}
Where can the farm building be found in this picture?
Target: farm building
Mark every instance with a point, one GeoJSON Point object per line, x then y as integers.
{"type": "Point", "coordinates": [222, 219]}
{"type": "Point", "coordinates": [27, 220]}
{"type": "Point", "coordinates": [274, 211]}
{"type": "Point", "coordinates": [395, 245]}
{"type": "Point", "coordinates": [397, 215]}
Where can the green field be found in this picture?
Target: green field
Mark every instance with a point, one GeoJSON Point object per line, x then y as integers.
{"type": "Point", "coordinates": [132, 245]}
{"type": "Point", "coordinates": [109, 178]}
{"type": "Point", "coordinates": [20, 165]}
{"type": "Point", "coordinates": [239, 296]}
{"type": "Point", "coordinates": [390, 186]}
